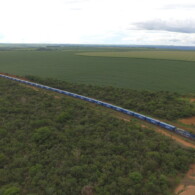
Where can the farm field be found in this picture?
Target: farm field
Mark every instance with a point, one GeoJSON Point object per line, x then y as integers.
{"type": "Point", "coordinates": [133, 73]}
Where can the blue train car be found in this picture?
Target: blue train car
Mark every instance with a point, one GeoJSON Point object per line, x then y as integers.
{"type": "Point", "coordinates": [97, 102]}
{"type": "Point", "coordinates": [73, 95]}
{"type": "Point", "coordinates": [104, 104]}
{"type": "Point", "coordinates": [58, 90]}
{"type": "Point", "coordinates": [125, 111]}
{"type": "Point", "coordinates": [86, 99]}
{"type": "Point", "coordinates": [140, 116]}
{"type": "Point", "coordinates": [92, 100]}
{"type": "Point", "coordinates": [167, 126]}
{"type": "Point", "coordinates": [184, 133]}
{"type": "Point", "coordinates": [63, 92]}
{"type": "Point", "coordinates": [26, 82]}
{"type": "Point", "coordinates": [112, 106]}
{"type": "Point", "coordinates": [151, 120]}
{"type": "Point", "coordinates": [128, 112]}
{"type": "Point", "coordinates": [117, 108]}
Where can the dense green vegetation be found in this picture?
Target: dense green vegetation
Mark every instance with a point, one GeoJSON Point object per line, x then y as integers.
{"type": "Point", "coordinates": [64, 64]}
{"type": "Point", "coordinates": [61, 146]}
{"type": "Point", "coordinates": [162, 104]}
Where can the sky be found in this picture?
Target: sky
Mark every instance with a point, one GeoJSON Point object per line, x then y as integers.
{"type": "Point", "coordinates": [128, 22]}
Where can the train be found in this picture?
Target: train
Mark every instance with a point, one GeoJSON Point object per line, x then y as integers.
{"type": "Point", "coordinates": [153, 121]}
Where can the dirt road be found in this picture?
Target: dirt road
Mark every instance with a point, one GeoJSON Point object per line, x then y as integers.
{"type": "Point", "coordinates": [187, 185]}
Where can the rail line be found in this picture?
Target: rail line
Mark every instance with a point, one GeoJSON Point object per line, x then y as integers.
{"type": "Point", "coordinates": [153, 121]}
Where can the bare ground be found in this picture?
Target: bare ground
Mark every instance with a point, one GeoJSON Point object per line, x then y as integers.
{"type": "Point", "coordinates": [192, 100]}
{"type": "Point", "coordinates": [188, 121]}
{"type": "Point", "coordinates": [187, 185]}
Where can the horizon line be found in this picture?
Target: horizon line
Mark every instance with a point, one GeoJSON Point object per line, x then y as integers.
{"type": "Point", "coordinates": [97, 44]}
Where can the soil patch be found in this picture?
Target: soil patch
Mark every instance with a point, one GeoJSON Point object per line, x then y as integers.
{"type": "Point", "coordinates": [192, 100]}
{"type": "Point", "coordinates": [32, 87]}
{"type": "Point", "coordinates": [188, 121]}
{"type": "Point", "coordinates": [176, 138]}
{"type": "Point", "coordinates": [187, 185]}
{"type": "Point", "coordinates": [57, 97]}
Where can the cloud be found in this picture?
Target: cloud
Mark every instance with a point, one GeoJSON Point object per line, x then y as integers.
{"type": "Point", "coordinates": [179, 6]}
{"type": "Point", "coordinates": [1, 36]}
{"type": "Point", "coordinates": [175, 40]}
{"type": "Point", "coordinates": [187, 26]}
{"type": "Point", "coordinates": [74, 1]}
{"type": "Point", "coordinates": [146, 37]}
{"type": "Point", "coordinates": [102, 21]}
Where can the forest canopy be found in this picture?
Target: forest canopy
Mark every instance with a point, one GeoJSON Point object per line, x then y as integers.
{"type": "Point", "coordinates": [59, 145]}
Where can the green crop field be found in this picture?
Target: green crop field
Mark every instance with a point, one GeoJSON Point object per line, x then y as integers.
{"type": "Point", "coordinates": [133, 73]}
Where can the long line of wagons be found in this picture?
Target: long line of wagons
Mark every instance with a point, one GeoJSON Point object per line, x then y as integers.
{"type": "Point", "coordinates": [169, 127]}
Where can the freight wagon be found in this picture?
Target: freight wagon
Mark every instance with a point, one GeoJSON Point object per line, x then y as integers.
{"type": "Point", "coordinates": [167, 126]}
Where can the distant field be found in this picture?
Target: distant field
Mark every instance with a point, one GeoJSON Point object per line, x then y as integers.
{"type": "Point", "coordinates": [166, 55]}
{"type": "Point", "coordinates": [133, 73]}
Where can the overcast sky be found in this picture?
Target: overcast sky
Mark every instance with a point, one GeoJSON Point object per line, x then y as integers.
{"type": "Point", "coordinates": [143, 22]}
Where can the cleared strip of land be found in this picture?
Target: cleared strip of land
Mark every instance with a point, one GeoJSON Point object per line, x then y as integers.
{"type": "Point", "coordinates": [167, 55]}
